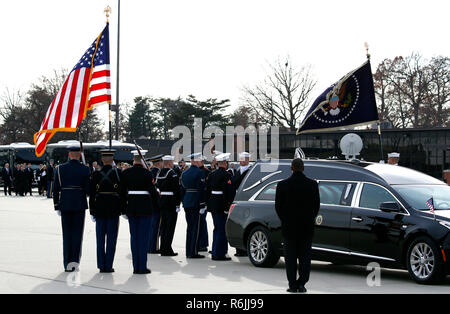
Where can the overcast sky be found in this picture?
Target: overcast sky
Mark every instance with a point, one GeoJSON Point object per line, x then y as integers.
{"type": "Point", "coordinates": [211, 48]}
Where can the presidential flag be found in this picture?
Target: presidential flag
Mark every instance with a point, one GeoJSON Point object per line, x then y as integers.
{"type": "Point", "coordinates": [349, 102]}
{"type": "Point", "coordinates": [87, 85]}
{"type": "Point", "coordinates": [430, 204]}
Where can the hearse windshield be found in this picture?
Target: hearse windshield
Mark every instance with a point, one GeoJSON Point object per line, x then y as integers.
{"type": "Point", "coordinates": [418, 195]}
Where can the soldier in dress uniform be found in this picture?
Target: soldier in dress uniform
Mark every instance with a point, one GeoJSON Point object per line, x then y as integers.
{"type": "Point", "coordinates": [393, 158]}
{"type": "Point", "coordinates": [155, 229]}
{"type": "Point", "coordinates": [69, 197]}
{"type": "Point", "coordinates": [168, 184]}
{"type": "Point", "coordinates": [203, 241]}
{"type": "Point", "coordinates": [139, 192]}
{"type": "Point", "coordinates": [244, 168]}
{"type": "Point", "coordinates": [106, 206]}
{"type": "Point", "coordinates": [219, 195]}
{"type": "Point", "coordinates": [193, 196]}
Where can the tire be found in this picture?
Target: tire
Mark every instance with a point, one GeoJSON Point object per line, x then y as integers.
{"type": "Point", "coordinates": [260, 248]}
{"type": "Point", "coordinates": [424, 261]}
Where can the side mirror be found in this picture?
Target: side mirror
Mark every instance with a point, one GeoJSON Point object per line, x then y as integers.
{"type": "Point", "coordinates": [390, 207]}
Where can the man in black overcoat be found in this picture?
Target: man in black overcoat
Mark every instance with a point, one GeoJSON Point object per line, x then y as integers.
{"type": "Point", "coordinates": [297, 204]}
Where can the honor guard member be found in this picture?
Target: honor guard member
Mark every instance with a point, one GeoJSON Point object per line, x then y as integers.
{"type": "Point", "coordinates": [70, 199]}
{"type": "Point", "coordinates": [106, 206]}
{"type": "Point", "coordinates": [203, 241]}
{"type": "Point", "coordinates": [155, 229]}
{"type": "Point", "coordinates": [139, 193]}
{"type": "Point", "coordinates": [168, 184]}
{"type": "Point", "coordinates": [244, 167]}
{"type": "Point", "coordinates": [220, 194]}
{"type": "Point", "coordinates": [393, 158]}
{"type": "Point", "coordinates": [193, 196]}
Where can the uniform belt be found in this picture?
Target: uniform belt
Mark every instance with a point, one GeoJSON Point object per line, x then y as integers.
{"type": "Point", "coordinates": [217, 192]}
{"type": "Point", "coordinates": [72, 188]}
{"type": "Point", "coordinates": [192, 190]}
{"type": "Point", "coordinates": [108, 193]}
{"type": "Point", "coordinates": [167, 193]}
{"type": "Point", "coordinates": [138, 193]}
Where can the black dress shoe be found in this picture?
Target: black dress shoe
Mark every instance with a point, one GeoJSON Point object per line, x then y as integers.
{"type": "Point", "coordinates": [106, 271]}
{"type": "Point", "coordinates": [145, 271]}
{"type": "Point", "coordinates": [223, 258]}
{"type": "Point", "coordinates": [196, 256]}
{"type": "Point", "coordinates": [169, 254]}
{"type": "Point", "coordinates": [154, 252]}
{"type": "Point", "coordinates": [292, 290]}
{"type": "Point", "coordinates": [302, 289]}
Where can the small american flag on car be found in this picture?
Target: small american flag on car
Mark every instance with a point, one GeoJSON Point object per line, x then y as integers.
{"type": "Point", "coordinates": [430, 205]}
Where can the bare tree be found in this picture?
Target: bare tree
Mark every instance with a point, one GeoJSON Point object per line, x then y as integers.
{"type": "Point", "coordinates": [283, 96]}
{"type": "Point", "coordinates": [413, 92]}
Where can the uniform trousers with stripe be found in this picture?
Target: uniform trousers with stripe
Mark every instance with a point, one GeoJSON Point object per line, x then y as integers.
{"type": "Point", "coordinates": [193, 225]}
{"type": "Point", "coordinates": [72, 229]}
{"type": "Point", "coordinates": [220, 242]}
{"type": "Point", "coordinates": [106, 230]}
{"type": "Point", "coordinates": [140, 233]}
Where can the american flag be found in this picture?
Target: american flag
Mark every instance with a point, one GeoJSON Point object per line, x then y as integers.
{"type": "Point", "coordinates": [430, 205]}
{"type": "Point", "coordinates": [87, 85]}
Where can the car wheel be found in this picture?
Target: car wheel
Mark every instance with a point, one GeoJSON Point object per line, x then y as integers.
{"type": "Point", "coordinates": [260, 249]}
{"type": "Point", "coordinates": [424, 261]}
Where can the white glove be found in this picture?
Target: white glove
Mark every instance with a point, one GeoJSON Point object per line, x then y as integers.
{"type": "Point", "coordinates": [202, 211]}
{"type": "Point", "coordinates": [125, 217]}
{"type": "Point", "coordinates": [178, 209]}
{"type": "Point", "coordinates": [92, 218]}
{"type": "Point", "coordinates": [59, 213]}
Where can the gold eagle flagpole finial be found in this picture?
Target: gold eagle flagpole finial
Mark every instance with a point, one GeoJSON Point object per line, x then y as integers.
{"type": "Point", "coordinates": [367, 50]}
{"type": "Point", "coordinates": [107, 13]}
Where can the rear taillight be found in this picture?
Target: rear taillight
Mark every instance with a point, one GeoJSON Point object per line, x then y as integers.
{"type": "Point", "coordinates": [231, 209]}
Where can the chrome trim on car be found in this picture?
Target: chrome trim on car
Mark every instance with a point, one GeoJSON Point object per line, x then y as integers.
{"type": "Point", "coordinates": [349, 253]}
{"type": "Point", "coordinates": [262, 180]}
{"type": "Point", "coordinates": [254, 196]}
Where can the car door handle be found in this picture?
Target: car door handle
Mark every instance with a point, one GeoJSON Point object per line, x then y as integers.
{"type": "Point", "coordinates": [357, 219]}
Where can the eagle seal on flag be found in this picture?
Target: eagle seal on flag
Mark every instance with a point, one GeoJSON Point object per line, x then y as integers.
{"type": "Point", "coordinates": [348, 102]}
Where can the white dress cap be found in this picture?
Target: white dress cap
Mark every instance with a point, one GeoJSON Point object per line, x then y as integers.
{"type": "Point", "coordinates": [136, 153]}
{"type": "Point", "coordinates": [244, 155]}
{"type": "Point", "coordinates": [168, 158]}
{"type": "Point", "coordinates": [394, 155]}
{"type": "Point", "coordinates": [223, 157]}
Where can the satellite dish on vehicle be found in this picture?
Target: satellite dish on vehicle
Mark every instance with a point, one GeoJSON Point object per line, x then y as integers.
{"type": "Point", "coordinates": [351, 145]}
{"type": "Point", "coordinates": [299, 153]}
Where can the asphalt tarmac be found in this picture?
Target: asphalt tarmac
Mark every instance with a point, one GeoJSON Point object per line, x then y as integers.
{"type": "Point", "coordinates": [31, 262]}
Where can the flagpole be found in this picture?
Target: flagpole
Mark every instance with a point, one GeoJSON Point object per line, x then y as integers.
{"type": "Point", "coordinates": [378, 123]}
{"type": "Point", "coordinates": [118, 67]}
{"type": "Point", "coordinates": [107, 12]}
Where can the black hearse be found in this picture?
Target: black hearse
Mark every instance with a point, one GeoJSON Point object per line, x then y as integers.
{"type": "Point", "coordinates": [369, 212]}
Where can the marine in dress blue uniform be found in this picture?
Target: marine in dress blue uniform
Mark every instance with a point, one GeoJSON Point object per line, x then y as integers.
{"type": "Point", "coordinates": [106, 206]}
{"type": "Point", "coordinates": [139, 192]}
{"type": "Point", "coordinates": [168, 184]}
{"type": "Point", "coordinates": [70, 200]}
{"type": "Point", "coordinates": [193, 196]}
{"type": "Point", "coordinates": [219, 195]}
{"type": "Point", "coordinates": [155, 227]}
